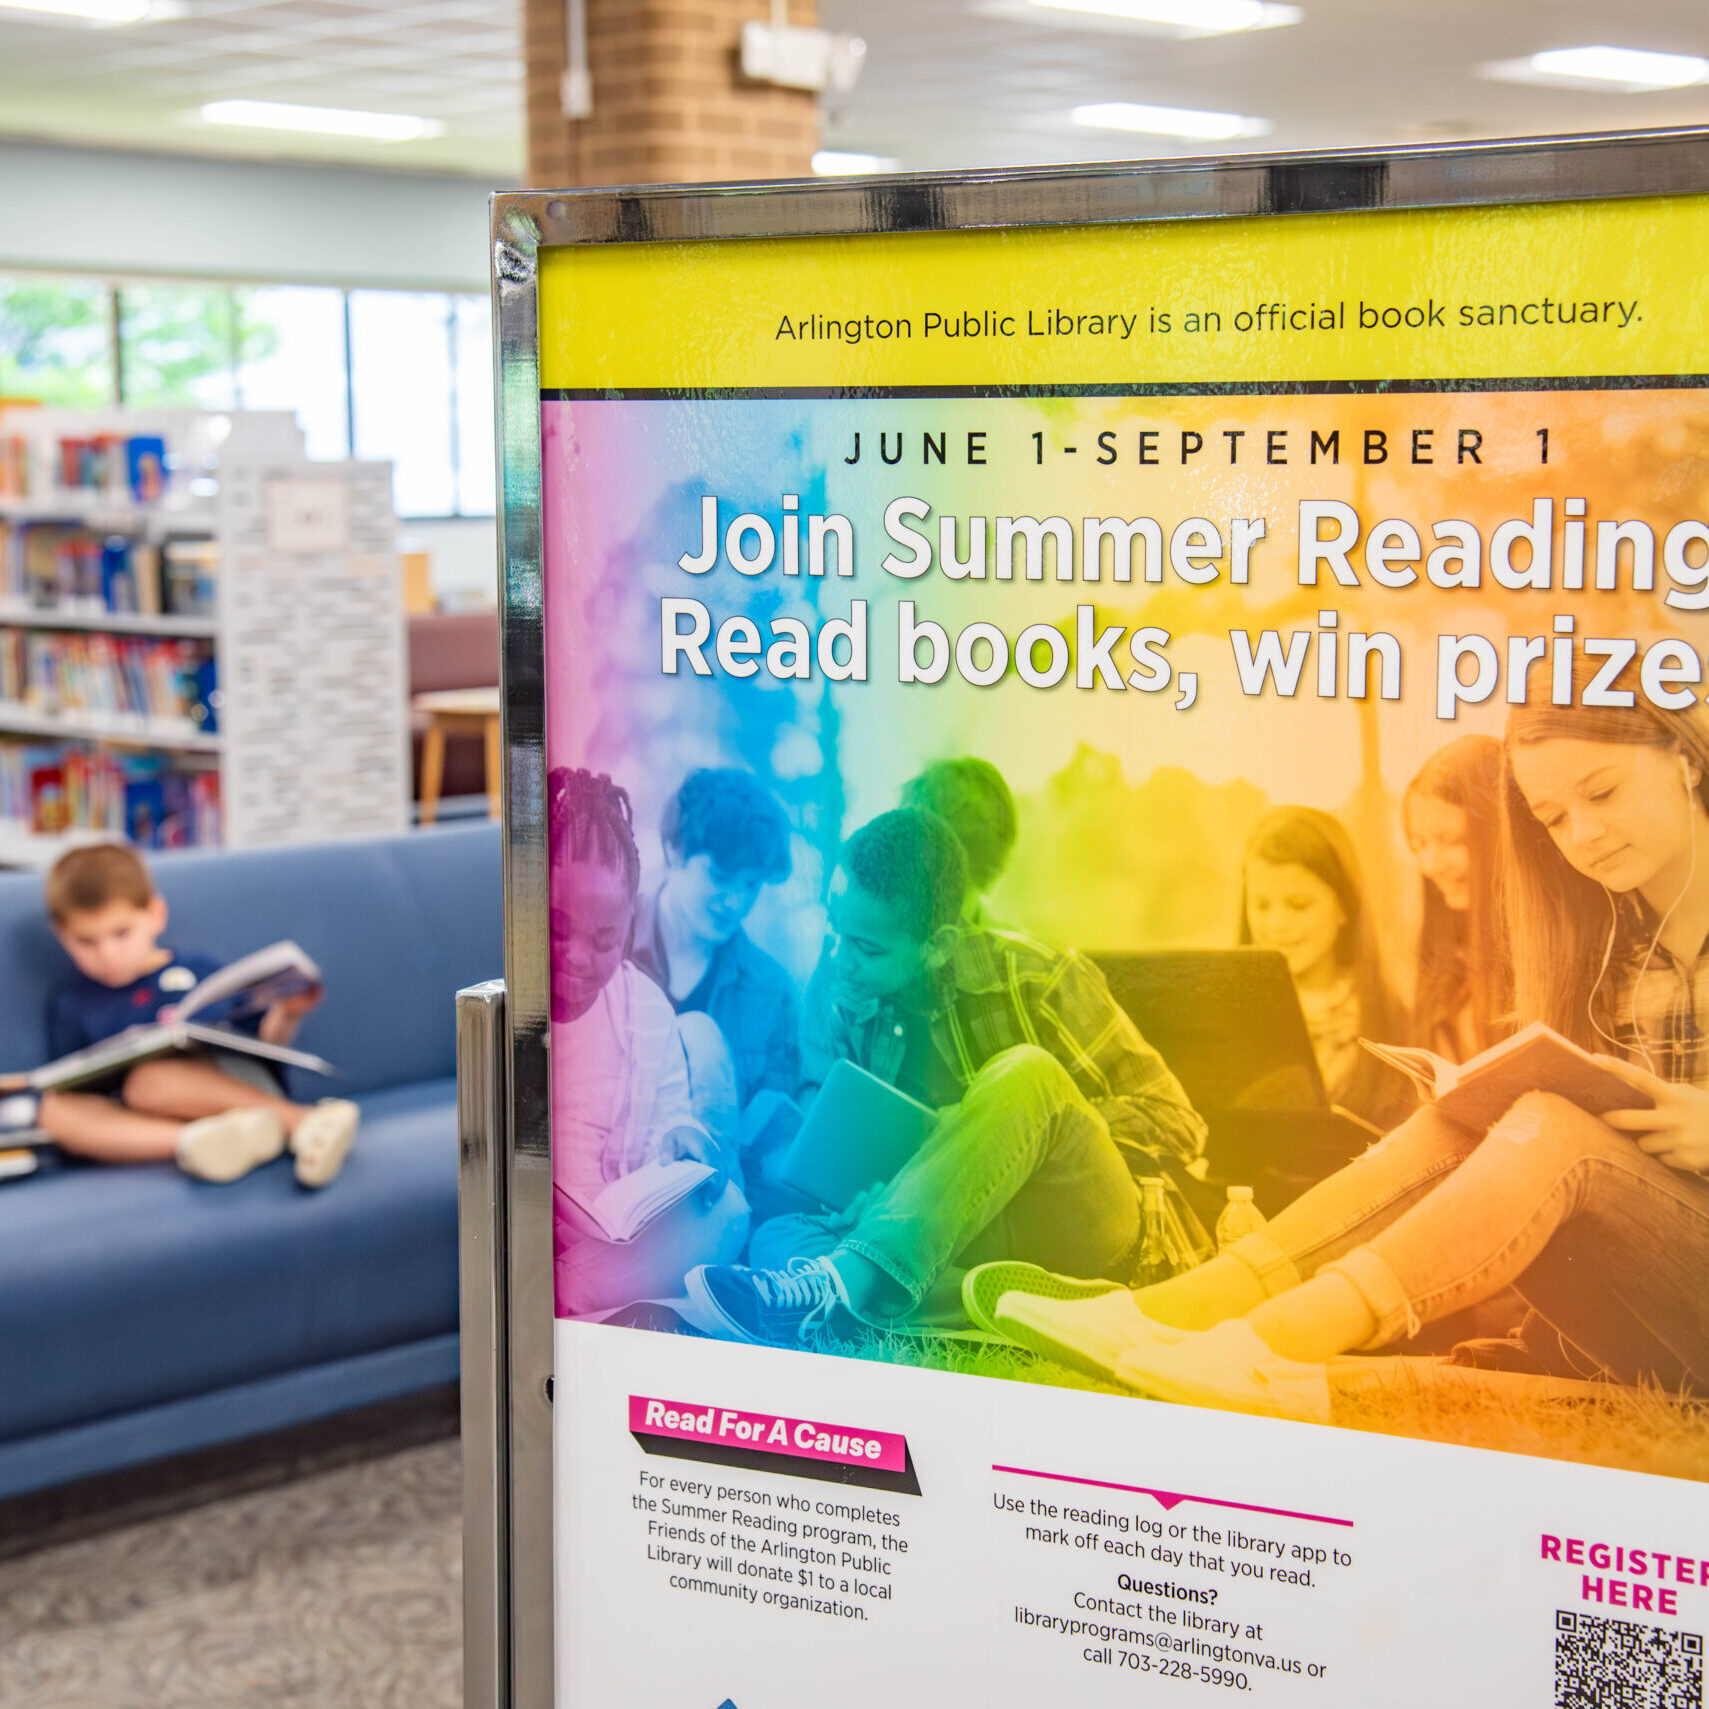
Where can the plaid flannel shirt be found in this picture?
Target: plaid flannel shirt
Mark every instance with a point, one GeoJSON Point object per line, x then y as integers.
{"type": "Point", "coordinates": [1003, 989]}
{"type": "Point", "coordinates": [1656, 1005]}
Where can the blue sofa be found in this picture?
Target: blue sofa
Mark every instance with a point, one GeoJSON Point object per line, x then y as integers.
{"type": "Point", "coordinates": [144, 1314]}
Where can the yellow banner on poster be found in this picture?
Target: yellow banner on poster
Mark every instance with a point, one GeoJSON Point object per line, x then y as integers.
{"type": "Point", "coordinates": [1537, 292]}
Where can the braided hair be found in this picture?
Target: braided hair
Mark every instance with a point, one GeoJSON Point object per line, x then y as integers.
{"type": "Point", "coordinates": [589, 818]}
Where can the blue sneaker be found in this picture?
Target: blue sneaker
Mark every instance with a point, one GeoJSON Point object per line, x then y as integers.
{"type": "Point", "coordinates": [770, 1308]}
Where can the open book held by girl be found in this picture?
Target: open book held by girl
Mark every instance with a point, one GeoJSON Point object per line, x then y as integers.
{"type": "Point", "coordinates": [1601, 1221]}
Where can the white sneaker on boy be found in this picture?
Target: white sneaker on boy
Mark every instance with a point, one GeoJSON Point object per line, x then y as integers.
{"type": "Point", "coordinates": [323, 1140]}
{"type": "Point", "coordinates": [224, 1147]}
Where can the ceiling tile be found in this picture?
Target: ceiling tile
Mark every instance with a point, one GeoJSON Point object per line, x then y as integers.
{"type": "Point", "coordinates": [948, 82]}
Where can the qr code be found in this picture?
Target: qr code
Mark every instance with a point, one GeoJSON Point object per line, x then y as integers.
{"type": "Point", "coordinates": [1616, 1664]}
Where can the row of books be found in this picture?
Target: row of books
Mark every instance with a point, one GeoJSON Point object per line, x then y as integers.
{"type": "Point", "coordinates": [50, 790]}
{"type": "Point", "coordinates": [111, 679]}
{"type": "Point", "coordinates": [62, 566]}
{"type": "Point", "coordinates": [115, 467]}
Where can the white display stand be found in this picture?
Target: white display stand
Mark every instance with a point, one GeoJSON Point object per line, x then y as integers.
{"type": "Point", "coordinates": [311, 653]}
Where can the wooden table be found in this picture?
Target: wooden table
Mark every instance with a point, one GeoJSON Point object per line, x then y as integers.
{"type": "Point", "coordinates": [459, 711]}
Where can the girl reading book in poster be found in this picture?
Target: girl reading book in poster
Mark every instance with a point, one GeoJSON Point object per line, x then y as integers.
{"type": "Point", "coordinates": [1452, 818]}
{"type": "Point", "coordinates": [1601, 1223]}
{"type": "Point", "coordinates": [639, 1188]}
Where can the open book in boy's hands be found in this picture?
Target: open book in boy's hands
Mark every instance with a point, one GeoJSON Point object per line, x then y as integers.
{"type": "Point", "coordinates": [251, 985]}
{"type": "Point", "coordinates": [623, 1208]}
{"type": "Point", "coordinates": [1535, 1059]}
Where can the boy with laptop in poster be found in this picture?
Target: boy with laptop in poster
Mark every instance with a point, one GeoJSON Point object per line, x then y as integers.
{"type": "Point", "coordinates": [1049, 1104]}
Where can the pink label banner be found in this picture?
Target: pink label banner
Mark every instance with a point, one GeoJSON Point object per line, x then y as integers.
{"type": "Point", "coordinates": [774, 1432]}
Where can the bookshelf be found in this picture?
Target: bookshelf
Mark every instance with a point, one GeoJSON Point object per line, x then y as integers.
{"type": "Point", "coordinates": [201, 635]}
{"type": "Point", "coordinates": [19, 847]}
{"type": "Point", "coordinates": [118, 732]}
{"type": "Point", "coordinates": [15, 615]}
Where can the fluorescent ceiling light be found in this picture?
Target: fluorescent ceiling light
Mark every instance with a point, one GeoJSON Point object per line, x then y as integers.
{"type": "Point", "coordinates": [839, 163]}
{"type": "Point", "coordinates": [99, 11]}
{"type": "Point", "coordinates": [327, 121]}
{"type": "Point", "coordinates": [1186, 17]}
{"type": "Point", "coordinates": [1630, 71]}
{"type": "Point", "coordinates": [1188, 122]}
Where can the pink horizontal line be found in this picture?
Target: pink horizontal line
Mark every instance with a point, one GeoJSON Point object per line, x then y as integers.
{"type": "Point", "coordinates": [1170, 1499]}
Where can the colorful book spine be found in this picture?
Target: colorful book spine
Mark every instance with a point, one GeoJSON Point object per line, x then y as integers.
{"type": "Point", "coordinates": [115, 468]}
{"type": "Point", "coordinates": [110, 677]}
{"type": "Point", "coordinates": [49, 789]}
{"type": "Point", "coordinates": [58, 566]}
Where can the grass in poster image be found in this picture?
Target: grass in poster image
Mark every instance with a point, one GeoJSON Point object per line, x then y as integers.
{"type": "Point", "coordinates": [1597, 1424]}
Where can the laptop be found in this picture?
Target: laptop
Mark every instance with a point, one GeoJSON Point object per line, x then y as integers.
{"type": "Point", "coordinates": [1229, 1025]}
{"type": "Point", "coordinates": [857, 1131]}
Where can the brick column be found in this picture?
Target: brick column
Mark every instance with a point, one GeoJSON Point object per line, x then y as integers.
{"type": "Point", "coordinates": [669, 101]}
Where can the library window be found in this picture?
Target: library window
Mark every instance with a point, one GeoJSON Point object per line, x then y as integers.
{"type": "Point", "coordinates": [178, 347]}
{"type": "Point", "coordinates": [401, 391]}
{"type": "Point", "coordinates": [404, 376]}
{"type": "Point", "coordinates": [56, 342]}
{"type": "Point", "coordinates": [472, 352]}
{"type": "Point", "coordinates": [295, 358]}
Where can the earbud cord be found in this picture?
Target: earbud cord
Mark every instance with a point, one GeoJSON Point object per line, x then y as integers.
{"type": "Point", "coordinates": [1602, 972]}
{"type": "Point", "coordinates": [1655, 943]}
{"type": "Point", "coordinates": [1690, 875]}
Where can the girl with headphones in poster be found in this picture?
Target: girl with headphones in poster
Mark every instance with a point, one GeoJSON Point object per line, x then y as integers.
{"type": "Point", "coordinates": [1601, 1224]}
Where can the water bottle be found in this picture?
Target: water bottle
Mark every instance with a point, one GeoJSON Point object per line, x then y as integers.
{"type": "Point", "coordinates": [1239, 1218]}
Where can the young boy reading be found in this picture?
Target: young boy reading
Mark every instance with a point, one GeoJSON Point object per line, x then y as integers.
{"type": "Point", "coordinates": [219, 1115]}
{"type": "Point", "coordinates": [1043, 1086]}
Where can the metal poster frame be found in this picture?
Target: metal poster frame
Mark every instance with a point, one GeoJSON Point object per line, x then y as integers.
{"type": "Point", "coordinates": [506, 1173]}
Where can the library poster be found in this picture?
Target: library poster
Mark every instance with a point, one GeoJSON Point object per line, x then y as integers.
{"type": "Point", "coordinates": [1130, 1027]}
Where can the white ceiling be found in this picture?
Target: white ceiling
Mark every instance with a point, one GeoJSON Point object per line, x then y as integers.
{"type": "Point", "coordinates": [980, 82]}
{"type": "Point", "coordinates": [140, 85]}
{"type": "Point", "coordinates": [947, 82]}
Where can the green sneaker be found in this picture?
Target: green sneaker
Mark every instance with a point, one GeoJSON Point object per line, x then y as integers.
{"type": "Point", "coordinates": [983, 1286]}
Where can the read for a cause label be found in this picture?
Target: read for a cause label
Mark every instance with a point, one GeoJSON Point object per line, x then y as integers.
{"type": "Point", "coordinates": [778, 1433]}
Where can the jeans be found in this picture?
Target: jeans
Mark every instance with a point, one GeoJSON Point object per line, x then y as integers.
{"type": "Point", "coordinates": [1023, 1167]}
{"type": "Point", "coordinates": [1610, 1245]}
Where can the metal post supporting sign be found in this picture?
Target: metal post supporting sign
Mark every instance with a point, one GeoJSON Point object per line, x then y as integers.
{"type": "Point", "coordinates": [1012, 680]}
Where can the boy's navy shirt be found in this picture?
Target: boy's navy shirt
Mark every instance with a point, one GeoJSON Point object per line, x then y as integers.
{"type": "Point", "coordinates": [84, 1012]}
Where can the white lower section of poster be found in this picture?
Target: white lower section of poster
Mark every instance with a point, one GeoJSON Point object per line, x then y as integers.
{"type": "Point", "coordinates": [1077, 1547]}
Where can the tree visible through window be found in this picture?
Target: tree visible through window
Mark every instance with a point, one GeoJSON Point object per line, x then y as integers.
{"type": "Point", "coordinates": [411, 371]}
{"type": "Point", "coordinates": [56, 342]}
{"type": "Point", "coordinates": [182, 345]}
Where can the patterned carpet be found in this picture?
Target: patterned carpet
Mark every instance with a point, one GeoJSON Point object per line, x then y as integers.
{"type": "Point", "coordinates": [338, 1591]}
